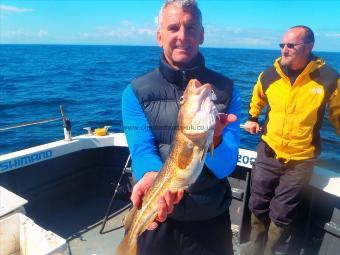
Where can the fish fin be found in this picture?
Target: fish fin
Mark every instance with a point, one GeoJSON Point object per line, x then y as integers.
{"type": "Point", "coordinates": [202, 119]}
{"type": "Point", "coordinates": [203, 154]}
{"type": "Point", "coordinates": [146, 225]}
{"type": "Point", "coordinates": [126, 248]}
{"type": "Point", "coordinates": [212, 149]}
{"type": "Point", "coordinates": [128, 219]}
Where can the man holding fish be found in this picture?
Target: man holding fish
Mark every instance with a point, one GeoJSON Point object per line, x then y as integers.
{"type": "Point", "coordinates": [172, 116]}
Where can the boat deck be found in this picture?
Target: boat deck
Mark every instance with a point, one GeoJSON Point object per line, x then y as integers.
{"type": "Point", "coordinates": [69, 195]}
{"type": "Point", "coordinates": [90, 241]}
{"type": "Point", "coordinates": [79, 222]}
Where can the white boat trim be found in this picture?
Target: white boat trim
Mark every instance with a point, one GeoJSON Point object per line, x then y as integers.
{"type": "Point", "coordinates": [326, 180]}
{"type": "Point", "coordinates": [10, 202]}
{"type": "Point", "coordinates": [26, 157]}
{"type": "Point", "coordinates": [322, 178]}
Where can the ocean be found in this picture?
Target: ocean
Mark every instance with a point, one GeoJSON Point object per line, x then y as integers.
{"type": "Point", "coordinates": [89, 81]}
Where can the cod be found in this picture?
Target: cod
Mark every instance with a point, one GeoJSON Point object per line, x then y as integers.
{"type": "Point", "coordinates": [193, 137]}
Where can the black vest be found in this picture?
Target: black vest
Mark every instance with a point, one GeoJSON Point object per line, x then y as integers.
{"type": "Point", "coordinates": [158, 93]}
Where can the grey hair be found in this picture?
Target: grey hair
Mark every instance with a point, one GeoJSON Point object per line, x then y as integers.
{"type": "Point", "coordinates": [179, 3]}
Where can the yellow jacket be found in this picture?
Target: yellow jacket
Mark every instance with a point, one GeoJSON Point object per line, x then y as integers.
{"type": "Point", "coordinates": [295, 112]}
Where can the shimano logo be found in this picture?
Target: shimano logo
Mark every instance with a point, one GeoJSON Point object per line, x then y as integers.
{"type": "Point", "coordinates": [25, 160]}
{"type": "Point", "coordinates": [316, 90]}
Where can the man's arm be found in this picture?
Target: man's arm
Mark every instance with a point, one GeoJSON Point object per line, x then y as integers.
{"type": "Point", "coordinates": [146, 161]}
{"type": "Point", "coordinates": [258, 101]}
{"type": "Point", "coordinates": [334, 108]}
{"type": "Point", "coordinates": [224, 158]}
{"type": "Point", "coordinates": [144, 153]}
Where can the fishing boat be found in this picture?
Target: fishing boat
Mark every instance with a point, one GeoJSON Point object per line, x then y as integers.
{"type": "Point", "coordinates": [76, 192]}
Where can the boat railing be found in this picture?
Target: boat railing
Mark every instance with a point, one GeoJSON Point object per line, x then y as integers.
{"type": "Point", "coordinates": [66, 124]}
{"type": "Point", "coordinates": [67, 127]}
{"type": "Point", "coordinates": [242, 126]}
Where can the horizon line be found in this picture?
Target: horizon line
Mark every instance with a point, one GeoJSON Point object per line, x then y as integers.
{"type": "Point", "coordinates": [136, 45]}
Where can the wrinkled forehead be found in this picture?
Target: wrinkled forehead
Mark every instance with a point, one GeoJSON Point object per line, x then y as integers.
{"type": "Point", "coordinates": [294, 35]}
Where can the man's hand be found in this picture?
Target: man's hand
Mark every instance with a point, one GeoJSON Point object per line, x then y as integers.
{"type": "Point", "coordinates": [252, 127]}
{"type": "Point", "coordinates": [166, 202]}
{"type": "Point", "coordinates": [222, 120]}
{"type": "Point", "coordinates": [141, 188]}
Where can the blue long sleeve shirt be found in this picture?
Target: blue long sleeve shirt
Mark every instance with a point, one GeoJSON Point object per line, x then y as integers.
{"type": "Point", "coordinates": [143, 149]}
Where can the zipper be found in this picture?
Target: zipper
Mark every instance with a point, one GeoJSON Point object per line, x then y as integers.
{"type": "Point", "coordinates": [184, 79]}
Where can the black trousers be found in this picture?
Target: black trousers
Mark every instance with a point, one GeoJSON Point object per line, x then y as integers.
{"type": "Point", "coordinates": [172, 237]}
{"type": "Point", "coordinates": [276, 188]}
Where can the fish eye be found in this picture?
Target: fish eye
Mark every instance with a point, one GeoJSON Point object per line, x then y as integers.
{"type": "Point", "coordinates": [213, 95]}
{"type": "Point", "coordinates": [181, 100]}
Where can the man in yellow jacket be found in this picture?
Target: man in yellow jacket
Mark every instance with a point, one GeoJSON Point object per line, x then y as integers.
{"type": "Point", "coordinates": [296, 91]}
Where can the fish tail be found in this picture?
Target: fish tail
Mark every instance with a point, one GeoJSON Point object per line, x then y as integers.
{"type": "Point", "coordinates": [126, 247]}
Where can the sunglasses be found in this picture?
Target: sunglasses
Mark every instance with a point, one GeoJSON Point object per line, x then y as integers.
{"type": "Point", "coordinates": [291, 45]}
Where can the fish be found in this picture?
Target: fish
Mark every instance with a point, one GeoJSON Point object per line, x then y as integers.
{"type": "Point", "coordinates": [193, 138]}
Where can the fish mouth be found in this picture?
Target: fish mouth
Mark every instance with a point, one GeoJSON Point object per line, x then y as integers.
{"type": "Point", "coordinates": [204, 119]}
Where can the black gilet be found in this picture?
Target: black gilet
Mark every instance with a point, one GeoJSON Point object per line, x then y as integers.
{"type": "Point", "coordinates": [158, 93]}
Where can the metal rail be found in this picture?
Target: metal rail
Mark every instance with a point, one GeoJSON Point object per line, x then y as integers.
{"type": "Point", "coordinates": [242, 126]}
{"type": "Point", "coordinates": [25, 124]}
{"type": "Point", "coordinates": [66, 122]}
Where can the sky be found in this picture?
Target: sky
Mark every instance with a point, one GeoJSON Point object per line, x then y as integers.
{"type": "Point", "coordinates": [228, 23]}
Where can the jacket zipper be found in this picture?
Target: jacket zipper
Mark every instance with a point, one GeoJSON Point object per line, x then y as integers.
{"type": "Point", "coordinates": [184, 79]}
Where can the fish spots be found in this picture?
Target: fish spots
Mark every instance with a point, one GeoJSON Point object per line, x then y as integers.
{"type": "Point", "coordinates": [185, 156]}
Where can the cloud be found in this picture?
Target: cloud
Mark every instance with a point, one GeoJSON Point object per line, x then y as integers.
{"type": "Point", "coordinates": [336, 35]}
{"type": "Point", "coordinates": [233, 30]}
{"type": "Point", "coordinates": [125, 22]}
{"type": "Point", "coordinates": [13, 33]}
{"type": "Point", "coordinates": [42, 33]}
{"type": "Point", "coordinates": [146, 31]}
{"type": "Point", "coordinates": [222, 36]}
{"type": "Point", "coordinates": [85, 35]}
{"type": "Point", "coordinates": [24, 36]}
{"type": "Point", "coordinates": [8, 8]}
{"type": "Point", "coordinates": [252, 41]}
{"type": "Point", "coordinates": [128, 29]}
{"type": "Point", "coordinates": [123, 32]}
